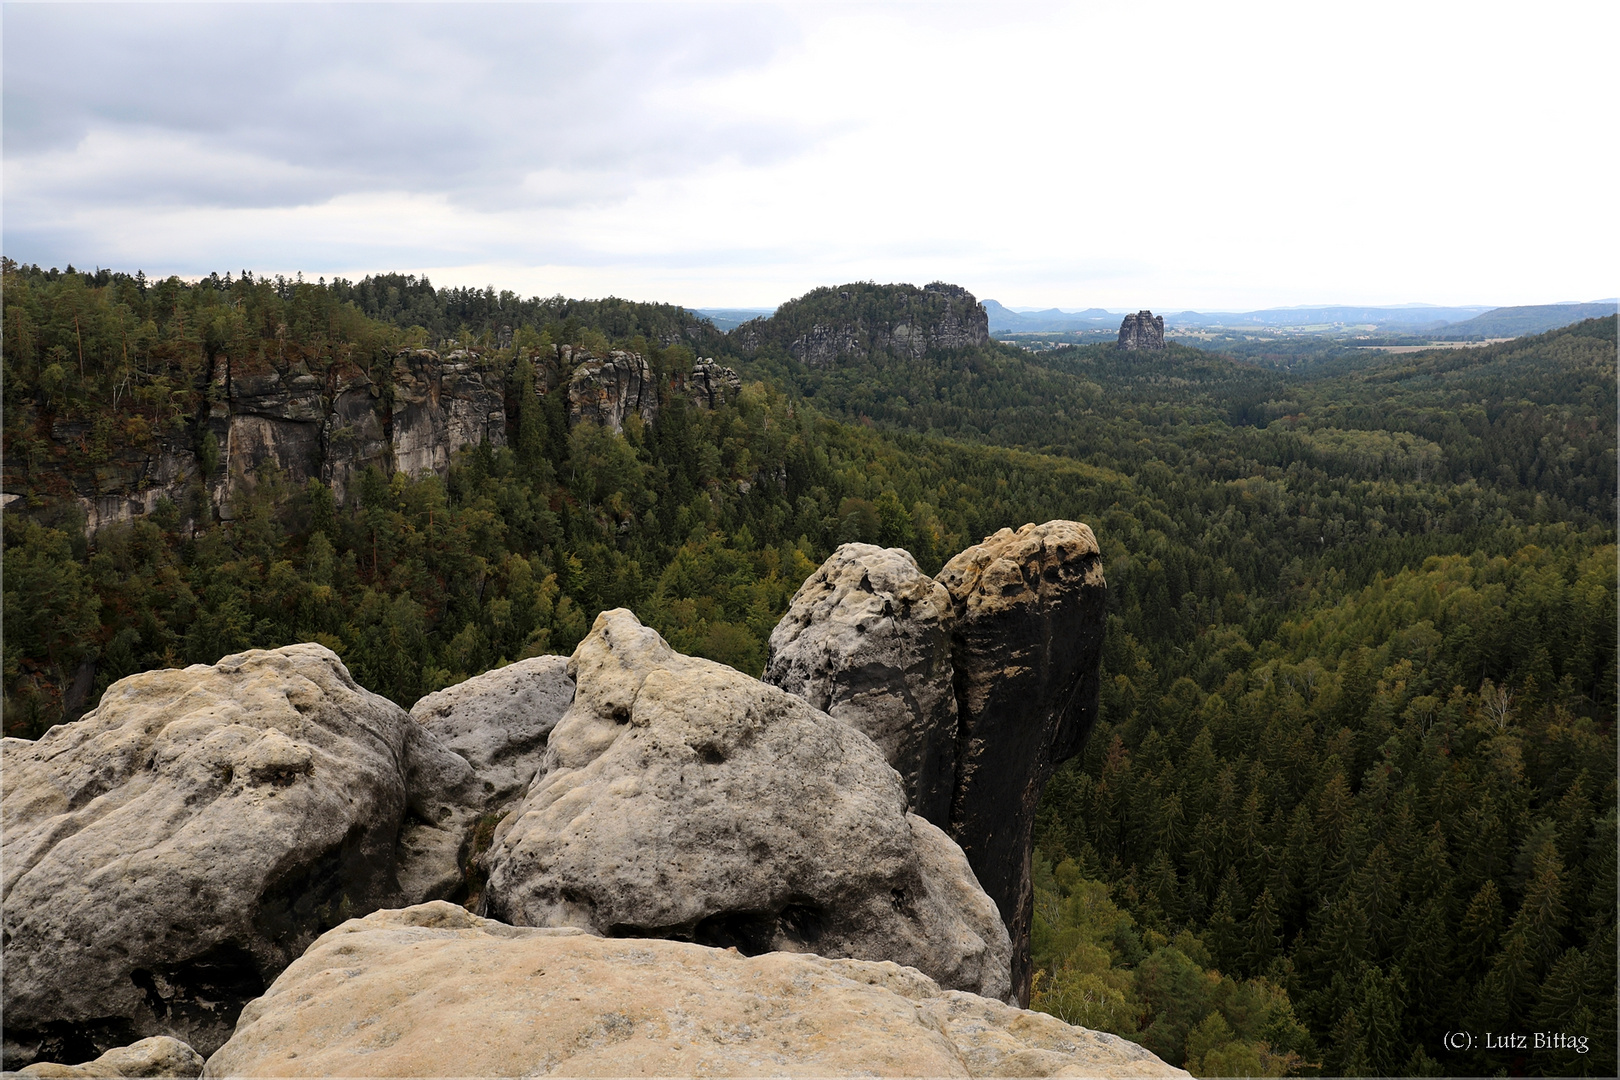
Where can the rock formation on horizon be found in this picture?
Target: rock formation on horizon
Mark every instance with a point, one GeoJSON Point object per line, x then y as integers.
{"type": "Point", "coordinates": [436, 991]}
{"type": "Point", "coordinates": [976, 685]}
{"type": "Point", "coordinates": [864, 318]}
{"type": "Point", "coordinates": [682, 799]}
{"type": "Point", "coordinates": [1144, 330]}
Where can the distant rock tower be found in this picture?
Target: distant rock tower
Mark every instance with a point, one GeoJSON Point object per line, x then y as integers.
{"type": "Point", "coordinates": [1144, 330]}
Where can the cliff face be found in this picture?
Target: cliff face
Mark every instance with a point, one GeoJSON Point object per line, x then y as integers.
{"type": "Point", "coordinates": [259, 413]}
{"type": "Point", "coordinates": [862, 319]}
{"type": "Point", "coordinates": [606, 390]}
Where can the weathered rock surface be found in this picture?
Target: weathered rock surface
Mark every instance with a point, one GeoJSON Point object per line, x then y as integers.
{"type": "Point", "coordinates": [605, 390]}
{"type": "Point", "coordinates": [169, 853]}
{"type": "Point", "coordinates": [499, 721]}
{"type": "Point", "coordinates": [709, 385]}
{"type": "Point", "coordinates": [682, 799]}
{"type": "Point", "coordinates": [1144, 330]}
{"type": "Point", "coordinates": [157, 1056]}
{"type": "Point", "coordinates": [441, 406]}
{"type": "Point", "coordinates": [867, 640]}
{"type": "Point", "coordinates": [1026, 645]}
{"type": "Point", "coordinates": [435, 991]}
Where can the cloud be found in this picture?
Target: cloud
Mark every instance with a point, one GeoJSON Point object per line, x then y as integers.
{"type": "Point", "coordinates": [1164, 155]}
{"type": "Point", "coordinates": [285, 105]}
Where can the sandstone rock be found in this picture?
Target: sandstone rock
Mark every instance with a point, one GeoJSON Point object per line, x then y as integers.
{"type": "Point", "coordinates": [499, 721]}
{"type": "Point", "coordinates": [606, 390]}
{"type": "Point", "coordinates": [682, 799]}
{"type": "Point", "coordinates": [710, 385]}
{"type": "Point", "coordinates": [1144, 330]}
{"type": "Point", "coordinates": [1026, 645]}
{"type": "Point", "coordinates": [441, 406]}
{"type": "Point", "coordinates": [867, 640]}
{"type": "Point", "coordinates": [157, 1056]}
{"type": "Point", "coordinates": [169, 853]}
{"type": "Point", "coordinates": [435, 991]}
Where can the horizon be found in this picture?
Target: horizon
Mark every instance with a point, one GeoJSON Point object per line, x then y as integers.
{"type": "Point", "coordinates": [1021, 309]}
{"type": "Point", "coordinates": [733, 156]}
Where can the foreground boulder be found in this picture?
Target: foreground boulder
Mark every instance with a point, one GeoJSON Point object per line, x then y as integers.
{"type": "Point", "coordinates": [1026, 646]}
{"type": "Point", "coordinates": [157, 1056]}
{"type": "Point", "coordinates": [867, 640]}
{"type": "Point", "coordinates": [499, 721]}
{"type": "Point", "coordinates": [168, 854]}
{"type": "Point", "coordinates": [683, 799]}
{"type": "Point", "coordinates": [436, 991]}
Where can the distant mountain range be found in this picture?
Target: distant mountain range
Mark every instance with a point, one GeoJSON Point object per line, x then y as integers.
{"type": "Point", "coordinates": [726, 319]}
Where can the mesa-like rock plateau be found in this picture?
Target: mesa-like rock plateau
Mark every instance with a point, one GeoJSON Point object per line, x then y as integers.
{"type": "Point", "coordinates": [674, 868]}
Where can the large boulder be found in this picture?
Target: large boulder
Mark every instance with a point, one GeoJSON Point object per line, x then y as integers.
{"type": "Point", "coordinates": [1026, 646]}
{"type": "Point", "coordinates": [168, 854]}
{"type": "Point", "coordinates": [499, 721]}
{"type": "Point", "coordinates": [683, 799]}
{"type": "Point", "coordinates": [159, 1056]}
{"type": "Point", "coordinates": [436, 991]}
{"type": "Point", "coordinates": [867, 640]}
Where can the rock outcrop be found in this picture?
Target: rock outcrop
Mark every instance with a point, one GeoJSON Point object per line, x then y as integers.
{"type": "Point", "coordinates": [1144, 330]}
{"type": "Point", "coordinates": [435, 991]}
{"type": "Point", "coordinates": [682, 799]}
{"type": "Point", "coordinates": [159, 1056]}
{"type": "Point", "coordinates": [975, 686]}
{"type": "Point", "coordinates": [499, 721]}
{"type": "Point", "coordinates": [168, 854]}
{"type": "Point", "coordinates": [605, 390]}
{"type": "Point", "coordinates": [862, 319]}
{"type": "Point", "coordinates": [709, 385]}
{"type": "Point", "coordinates": [867, 640]}
{"type": "Point", "coordinates": [440, 406]}
{"type": "Point", "coordinates": [259, 411]}
{"type": "Point", "coordinates": [1026, 647]}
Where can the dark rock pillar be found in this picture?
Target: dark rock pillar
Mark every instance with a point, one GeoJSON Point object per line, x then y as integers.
{"type": "Point", "coordinates": [1026, 646]}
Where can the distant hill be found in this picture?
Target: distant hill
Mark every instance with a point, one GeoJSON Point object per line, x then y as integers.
{"type": "Point", "coordinates": [1529, 319]}
{"type": "Point", "coordinates": [863, 318]}
{"type": "Point", "coordinates": [1406, 316]}
{"type": "Point", "coordinates": [1051, 320]}
{"type": "Point", "coordinates": [730, 318]}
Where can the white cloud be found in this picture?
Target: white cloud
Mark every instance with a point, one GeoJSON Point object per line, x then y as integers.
{"type": "Point", "coordinates": [1164, 155]}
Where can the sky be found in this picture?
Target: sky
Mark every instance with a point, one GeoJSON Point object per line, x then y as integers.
{"type": "Point", "coordinates": [1145, 155]}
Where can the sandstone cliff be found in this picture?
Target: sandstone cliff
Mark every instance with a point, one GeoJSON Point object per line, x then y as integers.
{"type": "Point", "coordinates": [329, 425]}
{"type": "Point", "coordinates": [605, 390]}
{"type": "Point", "coordinates": [862, 319]}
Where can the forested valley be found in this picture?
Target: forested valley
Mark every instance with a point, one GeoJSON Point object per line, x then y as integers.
{"type": "Point", "coordinates": [1353, 784]}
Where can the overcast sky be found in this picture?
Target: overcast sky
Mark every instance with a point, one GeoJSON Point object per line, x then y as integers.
{"type": "Point", "coordinates": [1171, 156]}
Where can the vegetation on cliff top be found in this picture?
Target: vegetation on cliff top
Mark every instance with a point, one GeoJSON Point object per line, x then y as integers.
{"type": "Point", "coordinates": [1353, 781]}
